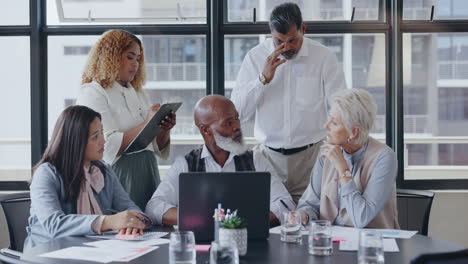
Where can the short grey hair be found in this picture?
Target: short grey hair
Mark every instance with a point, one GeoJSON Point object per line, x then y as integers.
{"type": "Point", "coordinates": [357, 108]}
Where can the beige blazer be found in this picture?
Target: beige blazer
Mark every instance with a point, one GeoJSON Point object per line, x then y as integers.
{"type": "Point", "coordinates": [387, 218]}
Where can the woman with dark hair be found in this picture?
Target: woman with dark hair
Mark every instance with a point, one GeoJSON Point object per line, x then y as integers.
{"type": "Point", "coordinates": [73, 192]}
{"type": "Point", "coordinates": [112, 84]}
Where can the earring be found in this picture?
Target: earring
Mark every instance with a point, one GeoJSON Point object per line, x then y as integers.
{"type": "Point", "coordinates": [349, 139]}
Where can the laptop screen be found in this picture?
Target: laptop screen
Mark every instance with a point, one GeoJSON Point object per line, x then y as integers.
{"type": "Point", "coordinates": [246, 192]}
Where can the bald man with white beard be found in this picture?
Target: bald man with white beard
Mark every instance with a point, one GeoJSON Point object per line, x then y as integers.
{"type": "Point", "coordinates": [224, 151]}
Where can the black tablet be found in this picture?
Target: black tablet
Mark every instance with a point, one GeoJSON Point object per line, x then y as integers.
{"type": "Point", "coordinates": [152, 129]}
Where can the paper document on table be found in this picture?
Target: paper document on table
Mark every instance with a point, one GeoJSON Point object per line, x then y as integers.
{"type": "Point", "coordinates": [353, 233]}
{"type": "Point", "coordinates": [347, 233]}
{"type": "Point", "coordinates": [277, 230]}
{"type": "Point", "coordinates": [395, 233]}
{"type": "Point", "coordinates": [389, 245]}
{"type": "Point", "coordinates": [111, 243]}
{"type": "Point", "coordinates": [144, 237]}
{"type": "Point", "coordinates": [130, 254]}
{"type": "Point", "coordinates": [102, 255]}
{"type": "Point", "coordinates": [81, 253]}
{"type": "Point", "coordinates": [339, 233]}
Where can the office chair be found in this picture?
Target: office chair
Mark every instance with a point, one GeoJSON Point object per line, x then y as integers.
{"type": "Point", "coordinates": [445, 258]}
{"type": "Point", "coordinates": [10, 256]}
{"type": "Point", "coordinates": [414, 209]}
{"type": "Point", "coordinates": [15, 207]}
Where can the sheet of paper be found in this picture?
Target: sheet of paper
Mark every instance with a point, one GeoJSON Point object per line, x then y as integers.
{"type": "Point", "coordinates": [146, 236]}
{"type": "Point", "coordinates": [99, 254]}
{"type": "Point", "coordinates": [81, 253]}
{"type": "Point", "coordinates": [132, 253]}
{"type": "Point", "coordinates": [277, 230]}
{"type": "Point", "coordinates": [110, 243]}
{"type": "Point", "coordinates": [351, 233]}
{"type": "Point", "coordinates": [395, 233]}
{"type": "Point", "coordinates": [389, 245]}
{"type": "Point", "coordinates": [347, 233]}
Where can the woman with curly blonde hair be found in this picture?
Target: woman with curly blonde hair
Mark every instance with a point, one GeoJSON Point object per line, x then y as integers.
{"type": "Point", "coordinates": [112, 86]}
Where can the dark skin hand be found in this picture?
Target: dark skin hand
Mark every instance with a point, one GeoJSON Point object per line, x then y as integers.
{"type": "Point", "coordinates": [170, 217]}
{"type": "Point", "coordinates": [166, 125]}
{"type": "Point", "coordinates": [274, 220]}
{"type": "Point", "coordinates": [163, 137]}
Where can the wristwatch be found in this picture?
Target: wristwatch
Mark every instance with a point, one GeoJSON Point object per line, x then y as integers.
{"type": "Point", "coordinates": [346, 173]}
{"type": "Point", "coordinates": [262, 78]}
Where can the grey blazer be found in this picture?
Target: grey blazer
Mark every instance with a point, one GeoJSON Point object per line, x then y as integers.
{"type": "Point", "coordinates": [51, 217]}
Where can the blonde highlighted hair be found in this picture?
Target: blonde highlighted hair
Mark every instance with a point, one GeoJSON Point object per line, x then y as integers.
{"type": "Point", "coordinates": [105, 57]}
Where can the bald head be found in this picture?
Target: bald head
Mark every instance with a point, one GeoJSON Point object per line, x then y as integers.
{"type": "Point", "coordinates": [218, 121]}
{"type": "Point", "coordinates": [212, 108]}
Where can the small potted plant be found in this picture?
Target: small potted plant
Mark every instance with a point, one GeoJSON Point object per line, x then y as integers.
{"type": "Point", "coordinates": [234, 229]}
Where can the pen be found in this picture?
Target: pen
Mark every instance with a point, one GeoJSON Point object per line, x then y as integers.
{"type": "Point", "coordinates": [285, 205]}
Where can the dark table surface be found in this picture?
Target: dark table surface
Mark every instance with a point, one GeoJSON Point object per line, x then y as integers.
{"type": "Point", "coordinates": [271, 250]}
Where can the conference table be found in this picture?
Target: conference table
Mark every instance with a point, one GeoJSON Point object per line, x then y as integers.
{"type": "Point", "coordinates": [271, 250]}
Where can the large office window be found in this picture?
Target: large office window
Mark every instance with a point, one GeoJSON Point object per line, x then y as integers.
{"type": "Point", "coordinates": [362, 57]}
{"type": "Point", "coordinates": [431, 91]}
{"type": "Point", "coordinates": [14, 13]}
{"type": "Point", "coordinates": [435, 82]}
{"type": "Point", "coordinates": [443, 9]}
{"type": "Point", "coordinates": [15, 107]}
{"type": "Point", "coordinates": [176, 72]}
{"type": "Point", "coordinates": [312, 10]}
{"type": "Point", "coordinates": [79, 12]}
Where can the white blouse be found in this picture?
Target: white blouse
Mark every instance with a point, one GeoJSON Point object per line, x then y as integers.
{"type": "Point", "coordinates": [121, 109]}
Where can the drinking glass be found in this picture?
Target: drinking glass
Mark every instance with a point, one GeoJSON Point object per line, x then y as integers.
{"type": "Point", "coordinates": [224, 253]}
{"type": "Point", "coordinates": [370, 248]}
{"type": "Point", "coordinates": [320, 238]}
{"type": "Point", "coordinates": [182, 248]}
{"type": "Point", "coordinates": [291, 228]}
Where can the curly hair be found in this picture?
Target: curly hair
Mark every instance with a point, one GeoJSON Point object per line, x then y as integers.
{"type": "Point", "coordinates": [105, 57]}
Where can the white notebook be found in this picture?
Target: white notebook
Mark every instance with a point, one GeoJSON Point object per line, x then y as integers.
{"type": "Point", "coordinates": [145, 236]}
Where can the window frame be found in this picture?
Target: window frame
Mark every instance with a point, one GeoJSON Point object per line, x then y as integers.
{"type": "Point", "coordinates": [418, 26]}
{"type": "Point", "coordinates": [393, 27]}
{"type": "Point", "coordinates": [178, 18]}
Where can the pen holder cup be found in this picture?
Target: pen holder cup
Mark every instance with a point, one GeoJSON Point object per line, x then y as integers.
{"type": "Point", "coordinates": [239, 236]}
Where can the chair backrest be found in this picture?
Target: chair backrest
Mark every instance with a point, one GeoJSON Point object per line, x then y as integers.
{"type": "Point", "coordinates": [445, 258]}
{"type": "Point", "coordinates": [414, 209]}
{"type": "Point", "coordinates": [16, 207]}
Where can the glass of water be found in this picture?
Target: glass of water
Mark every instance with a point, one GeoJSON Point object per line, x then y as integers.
{"type": "Point", "coordinates": [370, 248]}
{"type": "Point", "coordinates": [224, 253]}
{"type": "Point", "coordinates": [291, 228]}
{"type": "Point", "coordinates": [182, 248]}
{"type": "Point", "coordinates": [320, 238]}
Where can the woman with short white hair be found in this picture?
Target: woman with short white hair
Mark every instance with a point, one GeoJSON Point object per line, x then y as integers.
{"type": "Point", "coordinates": [353, 181]}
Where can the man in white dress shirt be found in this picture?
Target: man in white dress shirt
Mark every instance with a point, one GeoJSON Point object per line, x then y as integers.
{"type": "Point", "coordinates": [286, 82]}
{"type": "Point", "coordinates": [224, 151]}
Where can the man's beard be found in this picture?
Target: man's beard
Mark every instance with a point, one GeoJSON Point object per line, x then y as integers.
{"type": "Point", "coordinates": [291, 55]}
{"type": "Point", "coordinates": [230, 145]}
